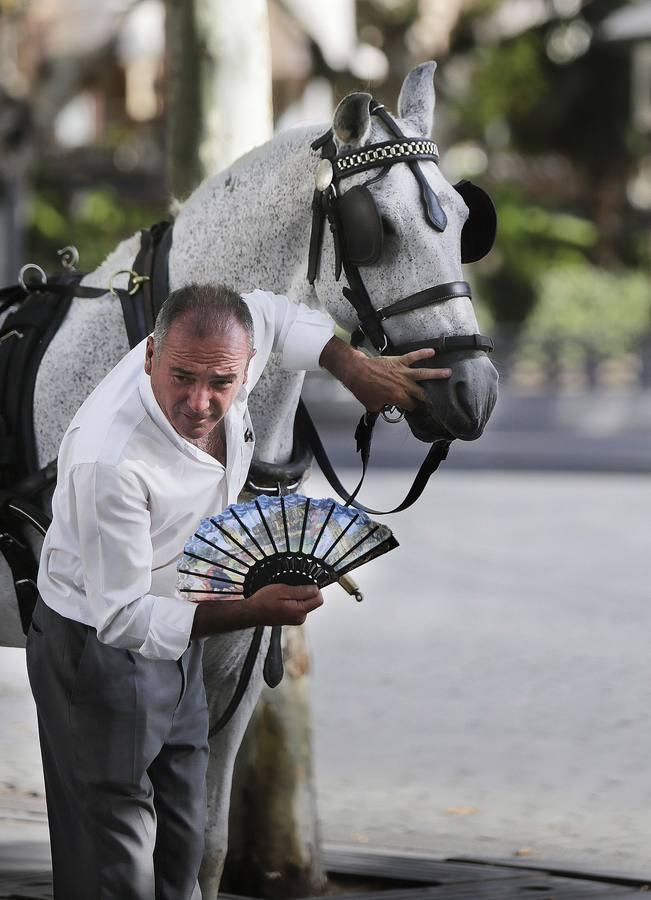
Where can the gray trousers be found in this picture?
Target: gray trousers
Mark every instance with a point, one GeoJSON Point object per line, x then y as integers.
{"type": "Point", "coordinates": [124, 742]}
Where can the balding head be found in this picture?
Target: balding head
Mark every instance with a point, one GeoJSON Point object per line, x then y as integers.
{"type": "Point", "coordinates": [206, 310]}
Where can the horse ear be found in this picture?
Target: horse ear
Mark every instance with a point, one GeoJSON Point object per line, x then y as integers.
{"type": "Point", "coordinates": [352, 121]}
{"type": "Point", "coordinates": [417, 98]}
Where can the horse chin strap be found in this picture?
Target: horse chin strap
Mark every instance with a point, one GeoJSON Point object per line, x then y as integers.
{"type": "Point", "coordinates": [324, 206]}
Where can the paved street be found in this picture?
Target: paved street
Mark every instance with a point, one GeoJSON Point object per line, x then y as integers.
{"type": "Point", "coordinates": [493, 692]}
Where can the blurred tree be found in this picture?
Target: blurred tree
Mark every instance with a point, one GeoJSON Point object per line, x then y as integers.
{"type": "Point", "coordinates": [558, 99]}
{"type": "Point", "coordinates": [577, 316]}
{"type": "Point", "coordinates": [212, 116]}
{"type": "Point", "coordinates": [94, 220]}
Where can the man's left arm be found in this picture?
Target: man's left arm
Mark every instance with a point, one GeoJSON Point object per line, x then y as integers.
{"type": "Point", "coordinates": [304, 337]}
{"type": "Point", "coordinates": [378, 381]}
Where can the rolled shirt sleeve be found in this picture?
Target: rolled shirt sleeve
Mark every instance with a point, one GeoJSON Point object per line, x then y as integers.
{"type": "Point", "coordinates": [116, 559]}
{"type": "Point", "coordinates": [298, 333]}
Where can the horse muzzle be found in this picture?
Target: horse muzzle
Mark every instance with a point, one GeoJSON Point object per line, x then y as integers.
{"type": "Point", "coordinates": [458, 406]}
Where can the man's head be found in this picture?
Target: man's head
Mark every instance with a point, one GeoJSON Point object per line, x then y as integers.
{"type": "Point", "coordinates": [198, 356]}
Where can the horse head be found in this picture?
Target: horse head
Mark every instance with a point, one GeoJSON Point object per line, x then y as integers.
{"type": "Point", "coordinates": [401, 233]}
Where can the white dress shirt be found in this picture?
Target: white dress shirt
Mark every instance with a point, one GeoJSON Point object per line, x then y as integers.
{"type": "Point", "coordinates": [131, 491]}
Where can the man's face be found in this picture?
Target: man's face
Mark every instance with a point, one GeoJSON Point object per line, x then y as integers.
{"type": "Point", "coordinates": [195, 380]}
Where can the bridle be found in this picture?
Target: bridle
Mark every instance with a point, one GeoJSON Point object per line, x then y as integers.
{"type": "Point", "coordinates": [356, 227]}
{"type": "Point", "coordinates": [351, 251]}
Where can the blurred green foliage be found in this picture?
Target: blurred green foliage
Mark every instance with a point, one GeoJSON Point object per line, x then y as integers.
{"type": "Point", "coordinates": [507, 84]}
{"type": "Point", "coordinates": [93, 220]}
{"type": "Point", "coordinates": [532, 238]}
{"type": "Point", "coordinates": [589, 312]}
{"type": "Point", "coordinates": [570, 120]}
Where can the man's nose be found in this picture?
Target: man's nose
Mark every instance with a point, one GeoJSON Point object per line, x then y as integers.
{"type": "Point", "coordinates": [199, 398]}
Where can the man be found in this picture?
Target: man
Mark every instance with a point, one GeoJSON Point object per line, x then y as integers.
{"type": "Point", "coordinates": [113, 654]}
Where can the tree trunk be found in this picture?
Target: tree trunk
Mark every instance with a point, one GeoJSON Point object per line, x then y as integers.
{"type": "Point", "coordinates": [219, 86]}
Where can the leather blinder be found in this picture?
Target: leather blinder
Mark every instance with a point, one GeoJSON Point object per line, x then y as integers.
{"type": "Point", "coordinates": [360, 226]}
{"type": "Point", "coordinates": [478, 233]}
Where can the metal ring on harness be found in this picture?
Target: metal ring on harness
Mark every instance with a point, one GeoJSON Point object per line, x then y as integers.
{"type": "Point", "coordinates": [21, 276]}
{"type": "Point", "coordinates": [361, 331]}
{"type": "Point", "coordinates": [13, 333]}
{"type": "Point", "coordinates": [137, 280]}
{"type": "Point", "coordinates": [389, 414]}
{"type": "Point", "coordinates": [69, 257]}
{"type": "Point", "coordinates": [278, 490]}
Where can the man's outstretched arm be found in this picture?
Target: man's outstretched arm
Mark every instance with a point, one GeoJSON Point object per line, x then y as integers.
{"type": "Point", "coordinates": [304, 338]}
{"type": "Point", "coordinates": [378, 381]}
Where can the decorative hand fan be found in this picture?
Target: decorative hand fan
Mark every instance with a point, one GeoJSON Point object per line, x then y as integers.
{"type": "Point", "coordinates": [286, 540]}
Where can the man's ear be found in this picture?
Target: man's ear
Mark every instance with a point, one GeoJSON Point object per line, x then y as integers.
{"type": "Point", "coordinates": [246, 371]}
{"type": "Point", "coordinates": [149, 354]}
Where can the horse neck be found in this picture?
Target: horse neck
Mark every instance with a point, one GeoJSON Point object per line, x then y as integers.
{"type": "Point", "coordinates": [249, 226]}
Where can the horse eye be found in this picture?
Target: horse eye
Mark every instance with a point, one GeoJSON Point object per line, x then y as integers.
{"type": "Point", "coordinates": [387, 226]}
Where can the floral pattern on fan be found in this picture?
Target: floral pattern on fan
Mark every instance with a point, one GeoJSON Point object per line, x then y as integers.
{"type": "Point", "coordinates": [293, 540]}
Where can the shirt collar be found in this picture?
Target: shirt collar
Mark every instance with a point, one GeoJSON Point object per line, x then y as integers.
{"type": "Point", "coordinates": [233, 418]}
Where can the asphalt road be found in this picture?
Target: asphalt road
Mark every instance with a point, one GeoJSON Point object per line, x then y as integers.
{"type": "Point", "coordinates": [491, 695]}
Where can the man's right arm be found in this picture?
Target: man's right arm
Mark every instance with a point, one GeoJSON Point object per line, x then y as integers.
{"type": "Point", "coordinates": [111, 511]}
{"type": "Point", "coordinates": [275, 604]}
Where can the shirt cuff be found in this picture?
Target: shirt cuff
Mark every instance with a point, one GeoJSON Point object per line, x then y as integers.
{"type": "Point", "coordinates": [170, 625]}
{"type": "Point", "coordinates": [305, 340]}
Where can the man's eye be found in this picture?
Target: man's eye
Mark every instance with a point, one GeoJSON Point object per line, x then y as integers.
{"type": "Point", "coordinates": [184, 379]}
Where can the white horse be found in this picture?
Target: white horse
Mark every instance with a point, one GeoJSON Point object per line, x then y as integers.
{"type": "Point", "coordinates": [249, 227]}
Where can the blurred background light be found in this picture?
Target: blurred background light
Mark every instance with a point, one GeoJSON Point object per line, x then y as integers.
{"type": "Point", "coordinates": [566, 43]}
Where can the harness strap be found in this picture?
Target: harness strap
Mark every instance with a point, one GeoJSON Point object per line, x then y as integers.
{"type": "Point", "coordinates": [18, 553]}
{"type": "Point", "coordinates": [160, 277]}
{"type": "Point", "coordinates": [152, 258]}
{"type": "Point", "coordinates": [448, 344]}
{"type": "Point", "coordinates": [316, 236]}
{"type": "Point", "coordinates": [25, 335]}
{"type": "Point", "coordinates": [437, 294]}
{"type": "Point", "coordinates": [433, 210]}
{"type": "Point", "coordinates": [242, 684]}
{"type": "Point", "coordinates": [142, 318]}
{"type": "Point", "coordinates": [357, 296]}
{"type": "Point", "coordinates": [364, 433]}
{"type": "Point", "coordinates": [19, 558]}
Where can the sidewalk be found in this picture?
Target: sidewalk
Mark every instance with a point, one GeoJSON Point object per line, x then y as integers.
{"type": "Point", "coordinates": [374, 875]}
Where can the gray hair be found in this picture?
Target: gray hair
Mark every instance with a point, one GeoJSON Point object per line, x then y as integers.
{"type": "Point", "coordinates": [209, 308]}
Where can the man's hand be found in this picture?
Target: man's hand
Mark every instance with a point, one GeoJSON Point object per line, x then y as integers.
{"type": "Point", "coordinates": [284, 604]}
{"type": "Point", "coordinates": [379, 381]}
{"type": "Point", "coordinates": [274, 604]}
